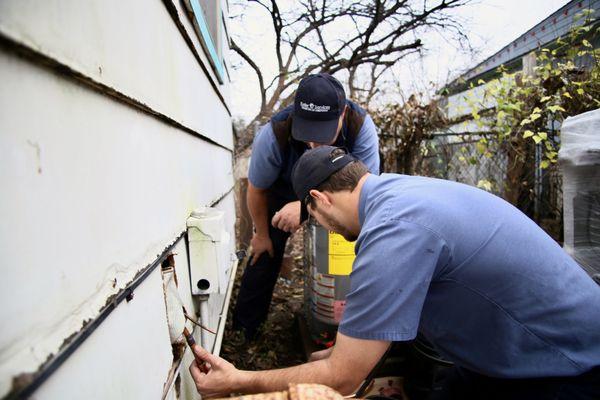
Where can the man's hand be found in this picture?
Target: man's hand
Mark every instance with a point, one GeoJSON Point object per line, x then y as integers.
{"type": "Point", "coordinates": [355, 357]}
{"type": "Point", "coordinates": [320, 355]}
{"type": "Point", "coordinates": [215, 377]}
{"type": "Point", "coordinates": [288, 218]}
{"type": "Point", "coordinates": [260, 244]}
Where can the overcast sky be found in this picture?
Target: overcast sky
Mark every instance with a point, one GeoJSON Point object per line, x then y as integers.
{"type": "Point", "coordinates": [490, 25]}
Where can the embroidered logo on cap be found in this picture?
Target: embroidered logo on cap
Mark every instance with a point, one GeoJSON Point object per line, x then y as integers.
{"type": "Point", "coordinates": [314, 108]}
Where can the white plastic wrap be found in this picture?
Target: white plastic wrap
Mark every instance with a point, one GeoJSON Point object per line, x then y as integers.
{"type": "Point", "coordinates": [579, 157]}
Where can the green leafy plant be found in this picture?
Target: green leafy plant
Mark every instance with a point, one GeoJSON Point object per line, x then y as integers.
{"type": "Point", "coordinates": [520, 112]}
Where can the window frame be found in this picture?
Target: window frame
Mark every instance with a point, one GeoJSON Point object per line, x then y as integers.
{"type": "Point", "coordinates": [206, 39]}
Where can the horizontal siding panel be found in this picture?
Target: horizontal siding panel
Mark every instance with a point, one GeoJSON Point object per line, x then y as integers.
{"type": "Point", "coordinates": [127, 357]}
{"type": "Point", "coordinates": [96, 191]}
{"type": "Point", "coordinates": [133, 47]}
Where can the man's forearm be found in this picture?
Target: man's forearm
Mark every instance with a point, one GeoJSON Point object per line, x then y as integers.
{"type": "Point", "coordinates": [320, 371]}
{"type": "Point", "coordinates": [349, 363]}
{"type": "Point", "coordinates": [259, 209]}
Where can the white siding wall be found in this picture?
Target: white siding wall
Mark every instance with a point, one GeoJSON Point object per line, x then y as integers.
{"type": "Point", "coordinates": [94, 188]}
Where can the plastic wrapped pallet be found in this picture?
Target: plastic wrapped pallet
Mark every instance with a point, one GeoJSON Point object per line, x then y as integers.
{"type": "Point", "coordinates": [579, 157]}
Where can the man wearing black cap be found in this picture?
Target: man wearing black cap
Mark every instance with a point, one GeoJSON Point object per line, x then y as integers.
{"type": "Point", "coordinates": [475, 276]}
{"type": "Point", "coordinates": [320, 115]}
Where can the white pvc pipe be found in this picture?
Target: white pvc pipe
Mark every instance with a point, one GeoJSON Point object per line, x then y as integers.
{"type": "Point", "coordinates": [203, 320]}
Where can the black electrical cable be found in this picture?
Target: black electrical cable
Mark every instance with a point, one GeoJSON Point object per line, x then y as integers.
{"type": "Point", "coordinates": [367, 382]}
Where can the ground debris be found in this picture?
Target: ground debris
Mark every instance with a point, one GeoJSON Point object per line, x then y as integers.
{"type": "Point", "coordinates": [278, 345]}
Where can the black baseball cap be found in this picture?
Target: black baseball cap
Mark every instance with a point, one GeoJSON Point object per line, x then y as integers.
{"type": "Point", "coordinates": [320, 100]}
{"type": "Point", "coordinates": [315, 166]}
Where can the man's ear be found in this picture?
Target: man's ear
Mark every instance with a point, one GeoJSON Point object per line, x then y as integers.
{"type": "Point", "coordinates": [320, 197]}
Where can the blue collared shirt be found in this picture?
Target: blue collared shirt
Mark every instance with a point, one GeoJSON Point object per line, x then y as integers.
{"type": "Point", "coordinates": [480, 280]}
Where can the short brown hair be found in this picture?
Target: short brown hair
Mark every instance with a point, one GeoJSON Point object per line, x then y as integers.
{"type": "Point", "coordinates": [345, 179]}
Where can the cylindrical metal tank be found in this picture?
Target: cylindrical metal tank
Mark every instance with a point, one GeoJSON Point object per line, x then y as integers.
{"type": "Point", "coordinates": [328, 259]}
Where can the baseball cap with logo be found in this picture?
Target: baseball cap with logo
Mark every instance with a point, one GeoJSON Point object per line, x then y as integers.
{"type": "Point", "coordinates": [315, 166]}
{"type": "Point", "coordinates": [320, 101]}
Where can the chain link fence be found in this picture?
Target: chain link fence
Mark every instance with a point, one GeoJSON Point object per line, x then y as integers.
{"type": "Point", "coordinates": [460, 157]}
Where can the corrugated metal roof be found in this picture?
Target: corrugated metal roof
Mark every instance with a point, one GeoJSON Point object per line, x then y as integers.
{"type": "Point", "coordinates": [551, 28]}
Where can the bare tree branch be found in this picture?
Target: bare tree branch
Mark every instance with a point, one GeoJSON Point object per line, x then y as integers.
{"type": "Point", "coordinates": [345, 35]}
{"type": "Point", "coordinates": [256, 69]}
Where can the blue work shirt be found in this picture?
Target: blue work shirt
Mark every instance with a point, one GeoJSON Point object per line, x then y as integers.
{"type": "Point", "coordinates": [267, 164]}
{"type": "Point", "coordinates": [480, 280]}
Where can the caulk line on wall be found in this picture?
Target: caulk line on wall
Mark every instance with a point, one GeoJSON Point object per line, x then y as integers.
{"type": "Point", "coordinates": [220, 198]}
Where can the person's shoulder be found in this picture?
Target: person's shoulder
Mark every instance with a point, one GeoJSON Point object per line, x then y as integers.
{"type": "Point", "coordinates": [366, 137]}
{"type": "Point", "coordinates": [380, 194]}
{"type": "Point", "coordinates": [397, 196]}
{"type": "Point", "coordinates": [367, 122]}
{"type": "Point", "coordinates": [264, 136]}
{"type": "Point", "coordinates": [386, 185]}
{"type": "Point", "coordinates": [387, 211]}
{"type": "Point", "coordinates": [282, 114]}
{"type": "Point", "coordinates": [356, 108]}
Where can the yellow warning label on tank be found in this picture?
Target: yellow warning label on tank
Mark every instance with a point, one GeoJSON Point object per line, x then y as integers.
{"type": "Point", "coordinates": [341, 255]}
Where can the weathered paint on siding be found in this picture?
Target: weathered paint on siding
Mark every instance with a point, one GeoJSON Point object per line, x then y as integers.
{"type": "Point", "coordinates": [111, 133]}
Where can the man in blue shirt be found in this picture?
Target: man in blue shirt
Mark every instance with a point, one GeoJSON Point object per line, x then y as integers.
{"type": "Point", "coordinates": [482, 282]}
{"type": "Point", "coordinates": [320, 115]}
